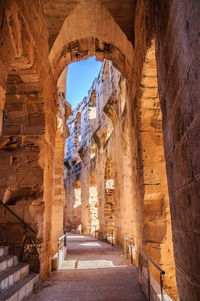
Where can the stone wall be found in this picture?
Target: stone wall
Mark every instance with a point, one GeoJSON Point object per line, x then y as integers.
{"type": "Point", "coordinates": [178, 82]}
{"type": "Point", "coordinates": [63, 111]}
{"type": "Point", "coordinates": [27, 143]}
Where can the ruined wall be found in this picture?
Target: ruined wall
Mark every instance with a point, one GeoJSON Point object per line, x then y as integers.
{"type": "Point", "coordinates": [27, 141]}
{"type": "Point", "coordinates": [75, 144]}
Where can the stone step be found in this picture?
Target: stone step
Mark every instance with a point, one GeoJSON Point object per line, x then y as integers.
{"type": "Point", "coordinates": [12, 275]}
{"type": "Point", "coordinates": [3, 251]}
{"type": "Point", "coordinates": [7, 261]}
{"type": "Point", "coordinates": [21, 289]}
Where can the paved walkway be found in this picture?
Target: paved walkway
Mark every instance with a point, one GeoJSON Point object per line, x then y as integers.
{"type": "Point", "coordinates": [93, 271]}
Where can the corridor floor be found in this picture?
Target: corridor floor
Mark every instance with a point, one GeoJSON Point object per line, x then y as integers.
{"type": "Point", "coordinates": [93, 271]}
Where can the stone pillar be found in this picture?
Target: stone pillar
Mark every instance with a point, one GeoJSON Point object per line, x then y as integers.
{"type": "Point", "coordinates": [157, 219]}
{"type": "Point", "coordinates": [59, 198]}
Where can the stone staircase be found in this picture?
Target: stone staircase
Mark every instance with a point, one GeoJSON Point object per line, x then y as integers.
{"type": "Point", "coordinates": [16, 282]}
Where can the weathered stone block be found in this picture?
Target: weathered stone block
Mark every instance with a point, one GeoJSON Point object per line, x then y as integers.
{"type": "Point", "coordinates": [35, 107]}
{"type": "Point", "coordinates": [182, 173]}
{"type": "Point", "coordinates": [11, 130]}
{"type": "Point", "coordinates": [14, 108]}
{"type": "Point", "coordinates": [31, 176]}
{"type": "Point", "coordinates": [4, 159]}
{"type": "Point", "coordinates": [154, 232]}
{"type": "Point", "coordinates": [16, 120]}
{"type": "Point", "coordinates": [32, 130]}
{"type": "Point", "coordinates": [36, 119]}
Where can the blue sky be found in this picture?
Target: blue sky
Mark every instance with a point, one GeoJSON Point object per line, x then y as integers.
{"type": "Point", "coordinates": [80, 76]}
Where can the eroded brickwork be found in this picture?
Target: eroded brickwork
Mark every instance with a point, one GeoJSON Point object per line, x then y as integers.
{"type": "Point", "coordinates": [27, 134]}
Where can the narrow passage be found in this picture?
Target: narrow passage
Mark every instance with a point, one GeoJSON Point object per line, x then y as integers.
{"type": "Point", "coordinates": [93, 271]}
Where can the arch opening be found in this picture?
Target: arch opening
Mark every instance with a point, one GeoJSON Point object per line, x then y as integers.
{"type": "Point", "coordinates": [102, 113]}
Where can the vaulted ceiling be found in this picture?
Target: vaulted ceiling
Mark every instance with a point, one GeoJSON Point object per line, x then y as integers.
{"type": "Point", "coordinates": [56, 11]}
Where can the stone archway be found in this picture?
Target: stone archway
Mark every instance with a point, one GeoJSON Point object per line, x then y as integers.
{"type": "Point", "coordinates": [92, 40]}
{"type": "Point", "coordinates": [91, 31]}
{"type": "Point", "coordinates": [99, 36]}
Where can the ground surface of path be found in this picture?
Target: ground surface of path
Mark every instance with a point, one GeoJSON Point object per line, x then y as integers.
{"type": "Point", "coordinates": [93, 271]}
